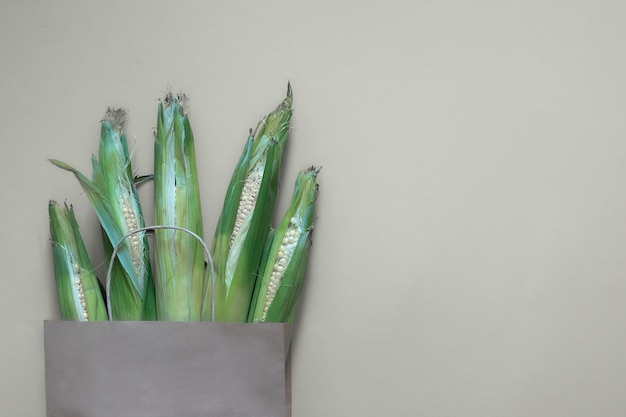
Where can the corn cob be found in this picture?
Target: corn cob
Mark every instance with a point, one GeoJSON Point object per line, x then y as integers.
{"type": "Point", "coordinates": [282, 275]}
{"type": "Point", "coordinates": [78, 289]}
{"type": "Point", "coordinates": [181, 278]}
{"type": "Point", "coordinates": [245, 220]}
{"type": "Point", "coordinates": [113, 194]}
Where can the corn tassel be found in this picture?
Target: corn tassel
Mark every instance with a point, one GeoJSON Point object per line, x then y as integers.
{"type": "Point", "coordinates": [282, 275]}
{"type": "Point", "coordinates": [113, 194]}
{"type": "Point", "coordinates": [78, 289]}
{"type": "Point", "coordinates": [245, 220]}
{"type": "Point", "coordinates": [181, 278]}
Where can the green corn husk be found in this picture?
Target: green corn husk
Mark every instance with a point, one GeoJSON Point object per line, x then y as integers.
{"type": "Point", "coordinates": [246, 216]}
{"type": "Point", "coordinates": [80, 297]}
{"type": "Point", "coordinates": [125, 301]}
{"type": "Point", "coordinates": [113, 195]}
{"type": "Point", "coordinates": [181, 276]}
{"type": "Point", "coordinates": [282, 275]}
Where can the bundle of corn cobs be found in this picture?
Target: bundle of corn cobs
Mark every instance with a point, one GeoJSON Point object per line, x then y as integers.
{"type": "Point", "coordinates": [253, 272]}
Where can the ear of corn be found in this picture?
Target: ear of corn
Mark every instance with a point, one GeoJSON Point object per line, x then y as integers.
{"type": "Point", "coordinates": [180, 271]}
{"type": "Point", "coordinates": [245, 220]}
{"type": "Point", "coordinates": [80, 297]}
{"type": "Point", "coordinates": [113, 194]}
{"type": "Point", "coordinates": [277, 296]}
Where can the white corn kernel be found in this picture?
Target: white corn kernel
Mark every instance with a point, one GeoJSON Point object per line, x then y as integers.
{"type": "Point", "coordinates": [285, 253]}
{"type": "Point", "coordinates": [135, 243]}
{"type": "Point", "coordinates": [248, 198]}
{"type": "Point", "coordinates": [79, 293]}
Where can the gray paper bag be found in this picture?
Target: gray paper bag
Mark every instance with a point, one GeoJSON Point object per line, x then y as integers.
{"type": "Point", "coordinates": [167, 369]}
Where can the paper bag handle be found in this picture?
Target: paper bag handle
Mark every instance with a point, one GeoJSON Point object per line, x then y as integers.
{"type": "Point", "coordinates": [207, 254]}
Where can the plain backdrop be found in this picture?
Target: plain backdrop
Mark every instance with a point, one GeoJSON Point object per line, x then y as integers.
{"type": "Point", "coordinates": [469, 255]}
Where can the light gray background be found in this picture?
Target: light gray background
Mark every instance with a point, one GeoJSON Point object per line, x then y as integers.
{"type": "Point", "coordinates": [469, 257]}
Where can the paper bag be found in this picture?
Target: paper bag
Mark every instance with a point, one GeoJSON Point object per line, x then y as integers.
{"type": "Point", "coordinates": [167, 369]}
